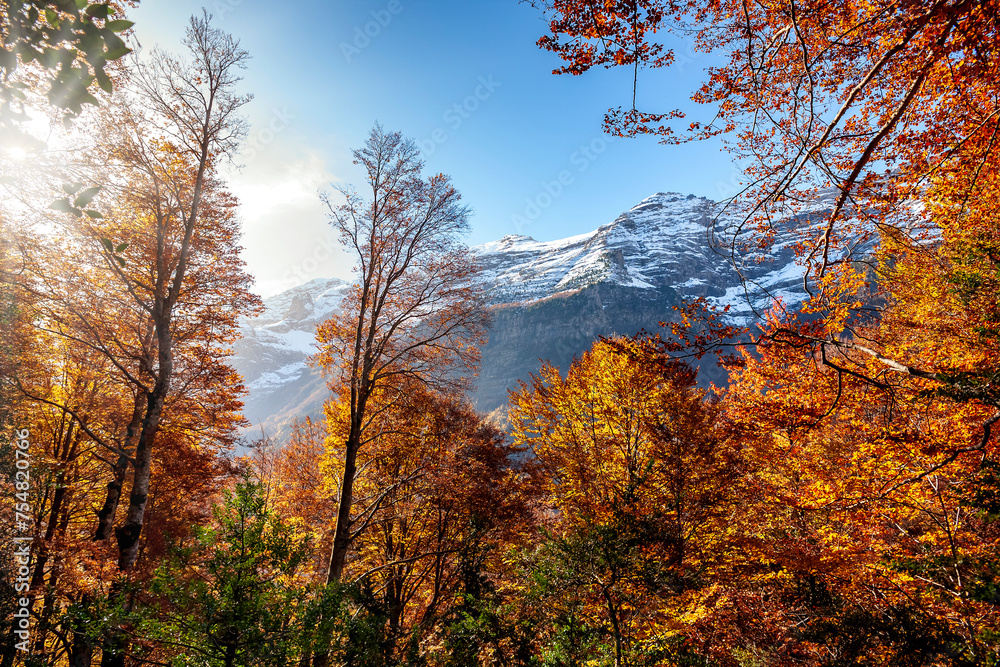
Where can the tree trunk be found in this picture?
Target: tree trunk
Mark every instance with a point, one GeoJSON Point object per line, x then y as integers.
{"type": "Point", "coordinates": [615, 628]}
{"type": "Point", "coordinates": [49, 599]}
{"type": "Point", "coordinates": [113, 650]}
{"type": "Point", "coordinates": [48, 605]}
{"type": "Point", "coordinates": [56, 525]}
{"type": "Point", "coordinates": [106, 515]}
{"type": "Point", "coordinates": [38, 575]}
{"type": "Point", "coordinates": [230, 657]}
{"type": "Point", "coordinates": [81, 653]}
{"type": "Point", "coordinates": [342, 535]}
{"type": "Point", "coordinates": [128, 533]}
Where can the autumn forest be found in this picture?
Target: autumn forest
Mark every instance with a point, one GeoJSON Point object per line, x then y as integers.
{"type": "Point", "coordinates": [833, 500]}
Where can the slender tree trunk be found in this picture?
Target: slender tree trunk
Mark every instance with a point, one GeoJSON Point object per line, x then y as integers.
{"type": "Point", "coordinates": [616, 628]}
{"type": "Point", "coordinates": [38, 575]}
{"type": "Point", "coordinates": [394, 603]}
{"type": "Point", "coordinates": [106, 515]}
{"type": "Point", "coordinates": [58, 520]}
{"type": "Point", "coordinates": [113, 649]}
{"type": "Point", "coordinates": [128, 533]}
{"type": "Point", "coordinates": [48, 605]}
{"type": "Point", "coordinates": [115, 644]}
{"type": "Point", "coordinates": [342, 535]}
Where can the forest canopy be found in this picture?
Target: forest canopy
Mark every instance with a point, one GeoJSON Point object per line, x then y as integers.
{"type": "Point", "coordinates": [833, 500]}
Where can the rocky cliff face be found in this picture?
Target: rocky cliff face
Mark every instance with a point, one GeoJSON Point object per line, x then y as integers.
{"type": "Point", "coordinates": [550, 300]}
{"type": "Point", "coordinates": [273, 352]}
{"type": "Point", "coordinates": [558, 328]}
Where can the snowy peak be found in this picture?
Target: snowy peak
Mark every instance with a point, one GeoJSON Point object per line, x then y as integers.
{"type": "Point", "coordinates": [313, 301]}
{"type": "Point", "coordinates": [654, 245]}
{"type": "Point", "coordinates": [276, 344]}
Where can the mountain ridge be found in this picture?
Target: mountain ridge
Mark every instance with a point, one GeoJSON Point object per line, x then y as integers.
{"type": "Point", "coordinates": [550, 300]}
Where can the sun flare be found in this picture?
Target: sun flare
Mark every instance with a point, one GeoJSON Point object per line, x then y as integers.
{"type": "Point", "coordinates": [15, 153]}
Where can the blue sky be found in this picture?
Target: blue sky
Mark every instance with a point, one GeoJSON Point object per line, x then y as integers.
{"type": "Point", "coordinates": [464, 79]}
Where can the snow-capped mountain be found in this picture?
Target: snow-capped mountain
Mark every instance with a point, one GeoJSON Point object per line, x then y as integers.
{"type": "Point", "coordinates": [274, 348]}
{"type": "Point", "coordinates": [661, 243]}
{"type": "Point", "coordinates": [550, 300]}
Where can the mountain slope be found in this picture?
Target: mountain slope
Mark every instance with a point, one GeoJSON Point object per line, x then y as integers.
{"type": "Point", "coordinates": [553, 299]}
{"type": "Point", "coordinates": [660, 244]}
{"type": "Point", "coordinates": [274, 348]}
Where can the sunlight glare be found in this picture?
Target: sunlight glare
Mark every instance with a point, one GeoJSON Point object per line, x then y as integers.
{"type": "Point", "coordinates": [15, 153]}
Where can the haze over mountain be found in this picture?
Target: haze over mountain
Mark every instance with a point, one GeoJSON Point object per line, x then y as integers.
{"type": "Point", "coordinates": [550, 300]}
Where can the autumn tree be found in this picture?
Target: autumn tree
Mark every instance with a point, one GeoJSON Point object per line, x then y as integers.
{"type": "Point", "coordinates": [415, 312]}
{"type": "Point", "coordinates": [643, 483]}
{"type": "Point", "coordinates": [15, 326]}
{"type": "Point", "coordinates": [440, 496]}
{"type": "Point", "coordinates": [168, 196]}
{"type": "Point", "coordinates": [79, 400]}
{"type": "Point", "coordinates": [158, 310]}
{"type": "Point", "coordinates": [72, 395]}
{"type": "Point", "coordinates": [68, 48]}
{"type": "Point", "coordinates": [303, 494]}
{"type": "Point", "coordinates": [129, 312]}
{"type": "Point", "coordinates": [811, 94]}
{"type": "Point", "coordinates": [866, 509]}
{"type": "Point", "coordinates": [879, 119]}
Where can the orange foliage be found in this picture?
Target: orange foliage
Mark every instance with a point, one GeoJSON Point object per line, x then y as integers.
{"type": "Point", "coordinates": [439, 492]}
{"type": "Point", "coordinates": [643, 488]}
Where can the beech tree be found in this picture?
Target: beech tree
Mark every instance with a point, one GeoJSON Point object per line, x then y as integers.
{"type": "Point", "coordinates": [871, 502]}
{"type": "Point", "coordinates": [871, 420]}
{"type": "Point", "coordinates": [644, 484]}
{"type": "Point", "coordinates": [161, 306]}
{"type": "Point", "coordinates": [439, 491]}
{"type": "Point", "coordinates": [415, 311]}
{"type": "Point", "coordinates": [170, 176]}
